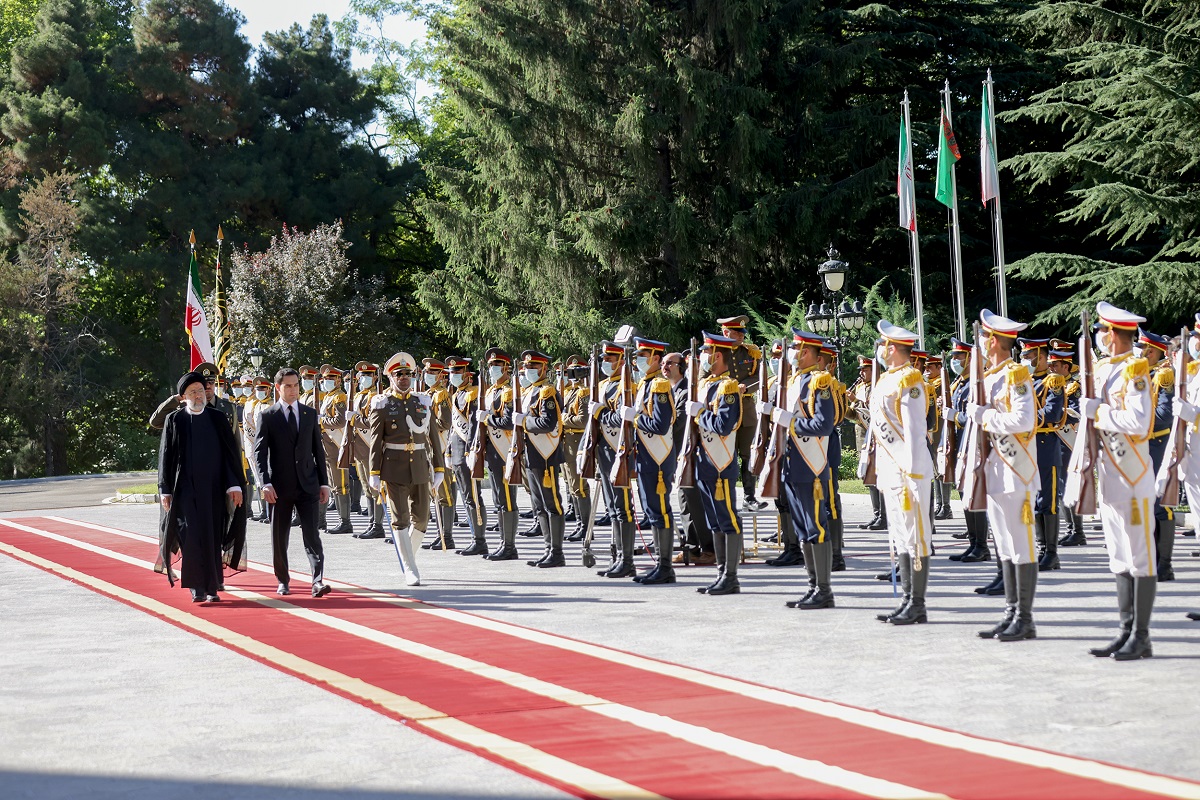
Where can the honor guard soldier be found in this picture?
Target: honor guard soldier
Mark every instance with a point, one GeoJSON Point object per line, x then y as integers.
{"type": "Point", "coordinates": [793, 551]}
{"type": "Point", "coordinates": [575, 416]}
{"type": "Point", "coordinates": [1062, 357]}
{"type": "Point", "coordinates": [935, 374]}
{"type": "Point", "coordinates": [1162, 399]}
{"type": "Point", "coordinates": [539, 421]}
{"type": "Point", "coordinates": [607, 411]}
{"type": "Point", "coordinates": [653, 417]}
{"type": "Point", "coordinates": [255, 406]}
{"type": "Point", "coordinates": [464, 402]}
{"type": "Point", "coordinates": [697, 538]}
{"type": "Point", "coordinates": [1009, 418]}
{"type": "Point", "coordinates": [1049, 390]}
{"type": "Point", "coordinates": [1125, 481]}
{"type": "Point", "coordinates": [437, 387]}
{"type": "Point", "coordinates": [405, 457]}
{"type": "Point", "coordinates": [718, 415]}
{"type": "Point", "coordinates": [1186, 408]}
{"type": "Point", "coordinates": [332, 421]}
{"type": "Point", "coordinates": [975, 521]}
{"type": "Point", "coordinates": [808, 419]}
{"type": "Point", "coordinates": [308, 385]}
{"type": "Point", "coordinates": [495, 412]}
{"type": "Point", "coordinates": [860, 414]}
{"type": "Point", "coordinates": [827, 361]}
{"type": "Point", "coordinates": [743, 368]}
{"type": "Point", "coordinates": [360, 406]}
{"type": "Point", "coordinates": [899, 413]}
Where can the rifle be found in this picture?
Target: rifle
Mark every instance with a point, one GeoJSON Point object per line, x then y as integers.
{"type": "Point", "coordinates": [948, 452]}
{"type": "Point", "coordinates": [773, 466]}
{"type": "Point", "coordinates": [685, 473]}
{"type": "Point", "coordinates": [972, 484]}
{"type": "Point", "coordinates": [1167, 479]}
{"type": "Point", "coordinates": [763, 432]}
{"type": "Point", "coordinates": [345, 459]}
{"type": "Point", "coordinates": [623, 464]}
{"type": "Point", "coordinates": [866, 466]}
{"type": "Point", "coordinates": [585, 459]}
{"type": "Point", "coordinates": [514, 467]}
{"type": "Point", "coordinates": [477, 456]}
{"type": "Point", "coordinates": [1080, 491]}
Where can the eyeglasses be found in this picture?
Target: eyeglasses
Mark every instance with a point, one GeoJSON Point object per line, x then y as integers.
{"type": "Point", "coordinates": [403, 373]}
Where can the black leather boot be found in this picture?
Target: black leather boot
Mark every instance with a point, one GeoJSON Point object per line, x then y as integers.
{"type": "Point", "coordinates": [1164, 538]}
{"type": "Point", "coordinates": [792, 554]}
{"type": "Point", "coordinates": [978, 538]}
{"type": "Point", "coordinates": [720, 552]}
{"type": "Point", "coordinates": [1049, 559]}
{"type": "Point", "coordinates": [1124, 617]}
{"type": "Point", "coordinates": [556, 559]}
{"type": "Point", "coordinates": [822, 553]}
{"type": "Point", "coordinates": [663, 572]}
{"type": "Point", "coordinates": [728, 582]}
{"type": "Point", "coordinates": [1022, 627]}
{"type": "Point", "coordinates": [1138, 644]}
{"type": "Point", "coordinates": [970, 536]}
{"type": "Point", "coordinates": [835, 541]}
{"type": "Point", "coordinates": [1009, 577]}
{"type": "Point", "coordinates": [996, 587]}
{"type": "Point", "coordinates": [583, 510]}
{"type": "Point", "coordinates": [1074, 537]}
{"type": "Point", "coordinates": [624, 567]}
{"type": "Point", "coordinates": [810, 568]}
{"type": "Point", "coordinates": [507, 551]}
{"type": "Point", "coordinates": [914, 613]}
{"type": "Point", "coordinates": [543, 524]}
{"type": "Point", "coordinates": [904, 563]}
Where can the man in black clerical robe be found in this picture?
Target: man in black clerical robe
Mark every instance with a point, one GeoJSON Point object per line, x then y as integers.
{"type": "Point", "coordinates": [202, 485]}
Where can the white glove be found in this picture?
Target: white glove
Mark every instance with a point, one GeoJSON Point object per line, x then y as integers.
{"type": "Point", "coordinates": [1088, 406]}
{"type": "Point", "coordinates": [694, 407]}
{"type": "Point", "coordinates": [438, 477]}
{"type": "Point", "coordinates": [374, 482]}
{"type": "Point", "coordinates": [594, 407]}
{"type": "Point", "coordinates": [974, 411]}
{"type": "Point", "coordinates": [628, 413]}
{"type": "Point", "coordinates": [1184, 410]}
{"type": "Point", "coordinates": [519, 419]}
{"type": "Point", "coordinates": [764, 408]}
{"type": "Point", "coordinates": [482, 416]}
{"type": "Point", "coordinates": [782, 417]}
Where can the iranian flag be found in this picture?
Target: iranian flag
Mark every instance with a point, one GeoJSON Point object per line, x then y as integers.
{"type": "Point", "coordinates": [987, 149]}
{"type": "Point", "coordinates": [905, 188]}
{"type": "Point", "coordinates": [196, 321]}
{"type": "Point", "coordinates": [948, 156]}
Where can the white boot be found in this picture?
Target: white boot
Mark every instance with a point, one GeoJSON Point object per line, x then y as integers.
{"type": "Point", "coordinates": [409, 561]}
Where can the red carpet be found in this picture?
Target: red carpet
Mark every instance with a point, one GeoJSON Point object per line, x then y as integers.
{"type": "Point", "coordinates": [591, 720]}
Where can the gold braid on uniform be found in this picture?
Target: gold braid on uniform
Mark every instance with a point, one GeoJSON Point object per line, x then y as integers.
{"type": "Point", "coordinates": [1017, 373]}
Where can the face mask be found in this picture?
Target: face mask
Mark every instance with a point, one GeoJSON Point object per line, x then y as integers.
{"type": "Point", "coordinates": [607, 368]}
{"type": "Point", "coordinates": [1193, 347]}
{"type": "Point", "coordinates": [774, 366]}
{"type": "Point", "coordinates": [495, 372]}
{"type": "Point", "coordinates": [430, 380]}
{"type": "Point", "coordinates": [456, 379]}
{"type": "Point", "coordinates": [1139, 351]}
{"type": "Point", "coordinates": [642, 364]}
{"type": "Point", "coordinates": [956, 367]}
{"type": "Point", "coordinates": [706, 361]}
{"type": "Point", "coordinates": [261, 394]}
{"type": "Point", "coordinates": [328, 386]}
{"type": "Point", "coordinates": [365, 381]}
{"type": "Point", "coordinates": [1027, 363]}
{"type": "Point", "coordinates": [308, 384]}
{"type": "Point", "coordinates": [529, 376]}
{"type": "Point", "coordinates": [1104, 342]}
{"type": "Point", "coordinates": [881, 354]}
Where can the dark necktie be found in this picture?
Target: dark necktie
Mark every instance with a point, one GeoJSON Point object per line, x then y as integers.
{"type": "Point", "coordinates": [293, 422]}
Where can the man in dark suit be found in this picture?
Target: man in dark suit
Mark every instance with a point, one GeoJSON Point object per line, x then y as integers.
{"type": "Point", "coordinates": [291, 460]}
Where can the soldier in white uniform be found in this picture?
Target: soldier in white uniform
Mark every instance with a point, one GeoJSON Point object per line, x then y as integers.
{"type": "Point", "coordinates": [1123, 414]}
{"type": "Point", "coordinates": [1189, 410]}
{"type": "Point", "coordinates": [1009, 418]}
{"type": "Point", "coordinates": [899, 409]}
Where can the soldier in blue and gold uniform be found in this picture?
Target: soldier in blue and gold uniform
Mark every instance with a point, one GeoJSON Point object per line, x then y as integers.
{"type": "Point", "coordinates": [1049, 389]}
{"type": "Point", "coordinates": [653, 415]}
{"type": "Point", "coordinates": [827, 361]}
{"type": "Point", "coordinates": [1162, 396]}
{"type": "Point", "coordinates": [743, 368]}
{"type": "Point", "coordinates": [607, 411]}
{"type": "Point", "coordinates": [1062, 357]}
{"type": "Point", "coordinates": [495, 412]}
{"type": "Point", "coordinates": [975, 521]}
{"type": "Point", "coordinates": [808, 420]}
{"type": "Point", "coordinates": [718, 415]}
{"type": "Point", "coordinates": [793, 553]}
{"type": "Point", "coordinates": [539, 420]}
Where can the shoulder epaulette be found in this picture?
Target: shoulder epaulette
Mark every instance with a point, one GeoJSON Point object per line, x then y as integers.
{"type": "Point", "coordinates": [1055, 383]}
{"type": "Point", "coordinates": [1164, 378]}
{"type": "Point", "coordinates": [1192, 367]}
{"type": "Point", "coordinates": [1136, 368]}
{"type": "Point", "coordinates": [729, 386]}
{"type": "Point", "coordinates": [660, 386]}
{"type": "Point", "coordinates": [821, 380]}
{"type": "Point", "coordinates": [547, 393]}
{"type": "Point", "coordinates": [753, 350]}
{"type": "Point", "coordinates": [1017, 373]}
{"type": "Point", "coordinates": [909, 377]}
{"type": "Point", "coordinates": [506, 396]}
{"type": "Point", "coordinates": [470, 393]}
{"type": "Point", "coordinates": [1072, 387]}
{"type": "Point", "coordinates": [379, 401]}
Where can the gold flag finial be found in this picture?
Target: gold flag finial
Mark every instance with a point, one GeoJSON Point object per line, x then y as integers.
{"type": "Point", "coordinates": [220, 234]}
{"type": "Point", "coordinates": [192, 239]}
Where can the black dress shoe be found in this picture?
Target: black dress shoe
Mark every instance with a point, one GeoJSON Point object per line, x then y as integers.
{"type": "Point", "coordinates": [283, 589]}
{"type": "Point", "coordinates": [892, 575]}
{"type": "Point", "coordinates": [1165, 574]}
{"type": "Point", "coordinates": [197, 596]}
{"type": "Point", "coordinates": [1112, 647]}
{"type": "Point", "coordinates": [796, 603]}
{"type": "Point", "coordinates": [212, 598]}
{"type": "Point", "coordinates": [1194, 616]}
{"type": "Point", "coordinates": [877, 525]}
{"type": "Point", "coordinates": [1018, 631]}
{"type": "Point", "coordinates": [839, 564]}
{"type": "Point", "coordinates": [623, 569]}
{"type": "Point", "coordinates": [545, 554]}
{"type": "Point", "coordinates": [477, 548]}
{"type": "Point", "coordinates": [371, 533]}
{"type": "Point", "coordinates": [660, 576]}
{"type": "Point", "coordinates": [1135, 647]}
{"type": "Point", "coordinates": [527, 514]}
{"type": "Point", "coordinates": [959, 535]}
{"type": "Point", "coordinates": [320, 589]}
{"type": "Point", "coordinates": [980, 554]}
{"type": "Point", "coordinates": [504, 553]}
{"type": "Point", "coordinates": [727, 585]}
{"type": "Point", "coordinates": [558, 560]}
{"type": "Point", "coordinates": [818, 599]}
{"type": "Point", "coordinates": [790, 557]}
{"type": "Point", "coordinates": [345, 527]}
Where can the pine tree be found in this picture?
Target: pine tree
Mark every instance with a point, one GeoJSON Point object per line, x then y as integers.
{"type": "Point", "coordinates": [1131, 164]}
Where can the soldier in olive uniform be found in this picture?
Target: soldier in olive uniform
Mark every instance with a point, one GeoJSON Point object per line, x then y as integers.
{"type": "Point", "coordinates": [438, 388]}
{"type": "Point", "coordinates": [405, 457]}
{"type": "Point", "coordinates": [743, 368]}
{"type": "Point", "coordinates": [858, 411]}
{"type": "Point", "coordinates": [359, 408]}
{"type": "Point", "coordinates": [308, 386]}
{"type": "Point", "coordinates": [332, 420]}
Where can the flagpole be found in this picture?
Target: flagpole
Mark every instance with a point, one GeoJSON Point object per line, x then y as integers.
{"type": "Point", "coordinates": [220, 312]}
{"type": "Point", "coordinates": [914, 245]}
{"type": "Point", "coordinates": [960, 316]}
{"type": "Point", "coordinates": [997, 219]}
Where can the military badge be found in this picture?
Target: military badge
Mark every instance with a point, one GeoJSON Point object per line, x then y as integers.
{"type": "Point", "coordinates": [1021, 389]}
{"type": "Point", "coordinates": [824, 394]}
{"type": "Point", "coordinates": [914, 392]}
{"type": "Point", "coordinates": [730, 398]}
{"type": "Point", "coordinates": [1140, 384]}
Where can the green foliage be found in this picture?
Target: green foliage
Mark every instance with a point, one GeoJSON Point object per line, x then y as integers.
{"type": "Point", "coordinates": [17, 19]}
{"type": "Point", "coordinates": [1131, 162]}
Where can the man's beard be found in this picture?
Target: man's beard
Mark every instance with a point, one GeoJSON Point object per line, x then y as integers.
{"type": "Point", "coordinates": [196, 406]}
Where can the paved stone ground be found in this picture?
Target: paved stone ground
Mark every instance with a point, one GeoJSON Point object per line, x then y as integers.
{"type": "Point", "coordinates": [95, 692]}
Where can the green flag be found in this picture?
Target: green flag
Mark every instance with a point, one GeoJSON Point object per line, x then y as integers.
{"type": "Point", "coordinates": [947, 154]}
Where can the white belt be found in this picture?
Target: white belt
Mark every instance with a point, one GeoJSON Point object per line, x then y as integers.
{"type": "Point", "coordinates": [409, 446]}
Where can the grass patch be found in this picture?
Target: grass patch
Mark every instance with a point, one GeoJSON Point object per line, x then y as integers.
{"type": "Point", "coordinates": [140, 488]}
{"type": "Point", "coordinates": [852, 486]}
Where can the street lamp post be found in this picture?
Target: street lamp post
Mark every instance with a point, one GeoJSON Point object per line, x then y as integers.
{"type": "Point", "coordinates": [822, 318]}
{"type": "Point", "coordinates": [256, 355]}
